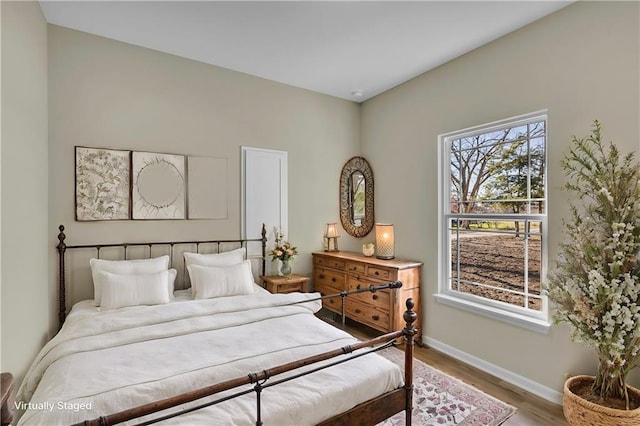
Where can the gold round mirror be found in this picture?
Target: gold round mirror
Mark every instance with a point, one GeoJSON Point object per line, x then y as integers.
{"type": "Point", "coordinates": [356, 197]}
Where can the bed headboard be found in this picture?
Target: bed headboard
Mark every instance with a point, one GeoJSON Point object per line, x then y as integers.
{"type": "Point", "coordinates": [255, 251]}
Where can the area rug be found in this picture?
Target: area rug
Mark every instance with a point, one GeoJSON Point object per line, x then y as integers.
{"type": "Point", "coordinates": [440, 399]}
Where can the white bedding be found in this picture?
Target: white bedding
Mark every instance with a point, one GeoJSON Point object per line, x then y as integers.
{"type": "Point", "coordinates": [104, 362]}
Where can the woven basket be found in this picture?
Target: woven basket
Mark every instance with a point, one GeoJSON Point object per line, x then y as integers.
{"type": "Point", "coordinates": [580, 412]}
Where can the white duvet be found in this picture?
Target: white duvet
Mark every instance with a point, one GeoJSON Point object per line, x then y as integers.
{"type": "Point", "coordinates": [104, 362]}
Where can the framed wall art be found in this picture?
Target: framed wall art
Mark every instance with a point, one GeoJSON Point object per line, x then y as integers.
{"type": "Point", "coordinates": [158, 186]}
{"type": "Point", "coordinates": [102, 184]}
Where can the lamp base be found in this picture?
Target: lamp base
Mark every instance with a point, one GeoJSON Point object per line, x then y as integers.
{"type": "Point", "coordinates": [331, 244]}
{"type": "Point", "coordinates": [386, 257]}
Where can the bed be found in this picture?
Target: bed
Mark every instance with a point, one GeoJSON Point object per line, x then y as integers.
{"type": "Point", "coordinates": [203, 356]}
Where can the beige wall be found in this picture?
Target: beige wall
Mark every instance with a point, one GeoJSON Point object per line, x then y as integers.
{"type": "Point", "coordinates": [104, 93]}
{"type": "Point", "coordinates": [581, 63]}
{"type": "Point", "coordinates": [25, 302]}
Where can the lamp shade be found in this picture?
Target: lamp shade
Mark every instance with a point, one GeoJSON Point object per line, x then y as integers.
{"type": "Point", "coordinates": [384, 241]}
{"type": "Point", "coordinates": [332, 230]}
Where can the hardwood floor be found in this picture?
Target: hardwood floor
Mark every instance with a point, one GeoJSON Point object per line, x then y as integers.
{"type": "Point", "coordinates": [532, 410]}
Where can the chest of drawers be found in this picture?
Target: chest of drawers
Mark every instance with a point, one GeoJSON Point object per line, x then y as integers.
{"type": "Point", "coordinates": [334, 272]}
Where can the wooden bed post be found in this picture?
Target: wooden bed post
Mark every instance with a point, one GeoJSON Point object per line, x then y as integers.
{"type": "Point", "coordinates": [62, 247]}
{"type": "Point", "coordinates": [409, 331]}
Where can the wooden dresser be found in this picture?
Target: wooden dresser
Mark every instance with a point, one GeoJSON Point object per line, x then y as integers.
{"type": "Point", "coordinates": [334, 272]}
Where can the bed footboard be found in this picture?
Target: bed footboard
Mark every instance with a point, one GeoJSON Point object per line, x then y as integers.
{"type": "Point", "coordinates": [367, 413]}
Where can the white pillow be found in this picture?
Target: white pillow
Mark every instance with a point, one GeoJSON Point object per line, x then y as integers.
{"type": "Point", "coordinates": [124, 267]}
{"type": "Point", "coordinates": [120, 290]}
{"type": "Point", "coordinates": [226, 258]}
{"type": "Point", "coordinates": [214, 281]}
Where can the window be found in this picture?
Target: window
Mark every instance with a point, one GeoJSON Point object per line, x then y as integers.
{"type": "Point", "coordinates": [493, 220]}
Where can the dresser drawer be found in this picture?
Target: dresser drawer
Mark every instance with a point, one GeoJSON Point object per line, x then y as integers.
{"type": "Point", "coordinates": [355, 268]}
{"type": "Point", "coordinates": [322, 276]}
{"type": "Point", "coordinates": [286, 288]}
{"type": "Point", "coordinates": [329, 262]}
{"type": "Point", "coordinates": [368, 315]}
{"type": "Point", "coordinates": [380, 272]}
{"type": "Point", "coordinates": [381, 299]}
{"type": "Point", "coordinates": [333, 304]}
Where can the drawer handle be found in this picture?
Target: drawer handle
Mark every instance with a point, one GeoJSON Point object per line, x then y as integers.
{"type": "Point", "coordinates": [377, 273]}
{"type": "Point", "coordinates": [333, 279]}
{"type": "Point", "coordinates": [358, 287]}
{"type": "Point", "coordinates": [358, 311]}
{"type": "Point", "coordinates": [375, 317]}
{"type": "Point", "coordinates": [374, 297]}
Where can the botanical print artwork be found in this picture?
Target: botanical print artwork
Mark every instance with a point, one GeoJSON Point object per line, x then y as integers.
{"type": "Point", "coordinates": [102, 184]}
{"type": "Point", "coordinates": [158, 188]}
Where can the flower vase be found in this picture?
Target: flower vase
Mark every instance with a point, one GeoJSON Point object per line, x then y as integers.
{"type": "Point", "coordinates": [285, 268]}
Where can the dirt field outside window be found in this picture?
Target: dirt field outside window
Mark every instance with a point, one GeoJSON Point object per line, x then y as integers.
{"type": "Point", "coordinates": [492, 265]}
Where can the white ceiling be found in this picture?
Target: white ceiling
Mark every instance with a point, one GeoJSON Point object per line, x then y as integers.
{"type": "Point", "coordinates": [336, 48]}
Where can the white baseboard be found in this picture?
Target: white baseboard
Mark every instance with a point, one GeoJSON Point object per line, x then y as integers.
{"type": "Point", "coordinates": [506, 375]}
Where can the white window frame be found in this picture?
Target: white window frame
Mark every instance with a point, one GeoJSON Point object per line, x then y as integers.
{"type": "Point", "coordinates": [520, 316]}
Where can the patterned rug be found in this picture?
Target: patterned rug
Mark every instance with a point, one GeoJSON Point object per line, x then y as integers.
{"type": "Point", "coordinates": [440, 399]}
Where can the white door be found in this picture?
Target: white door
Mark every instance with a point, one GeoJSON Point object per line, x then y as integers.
{"type": "Point", "coordinates": [264, 195]}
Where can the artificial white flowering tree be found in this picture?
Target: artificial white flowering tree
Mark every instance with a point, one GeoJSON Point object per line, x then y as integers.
{"type": "Point", "coordinates": [596, 282]}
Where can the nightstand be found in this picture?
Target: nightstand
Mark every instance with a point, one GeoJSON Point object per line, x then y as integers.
{"type": "Point", "coordinates": [6, 409]}
{"type": "Point", "coordinates": [288, 284]}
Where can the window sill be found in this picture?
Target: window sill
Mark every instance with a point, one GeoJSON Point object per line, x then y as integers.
{"type": "Point", "coordinates": [533, 324]}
